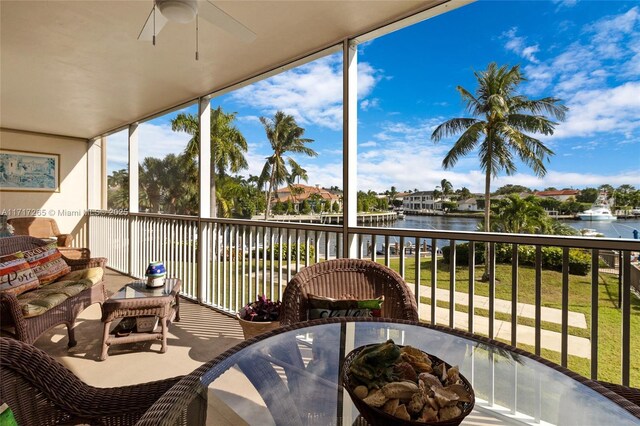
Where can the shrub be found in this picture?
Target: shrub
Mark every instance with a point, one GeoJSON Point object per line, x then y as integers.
{"type": "Point", "coordinates": [579, 261]}
{"type": "Point", "coordinates": [462, 254]}
{"type": "Point", "coordinates": [294, 251]}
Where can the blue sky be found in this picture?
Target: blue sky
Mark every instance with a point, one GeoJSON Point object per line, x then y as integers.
{"type": "Point", "coordinates": [585, 52]}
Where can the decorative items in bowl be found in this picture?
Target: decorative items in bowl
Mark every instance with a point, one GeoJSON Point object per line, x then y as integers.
{"type": "Point", "coordinates": [155, 273]}
{"type": "Point", "coordinates": [402, 385]}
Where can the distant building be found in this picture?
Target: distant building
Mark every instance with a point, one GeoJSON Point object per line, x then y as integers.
{"type": "Point", "coordinates": [560, 195]}
{"type": "Point", "coordinates": [304, 192]}
{"type": "Point", "coordinates": [522, 195]}
{"type": "Point", "coordinates": [422, 201]}
{"type": "Point", "coordinates": [470, 204]}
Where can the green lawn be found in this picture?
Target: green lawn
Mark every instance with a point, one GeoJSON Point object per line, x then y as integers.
{"type": "Point", "coordinates": [609, 321]}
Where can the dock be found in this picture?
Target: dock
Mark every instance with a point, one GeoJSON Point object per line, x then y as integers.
{"type": "Point", "coordinates": [373, 219]}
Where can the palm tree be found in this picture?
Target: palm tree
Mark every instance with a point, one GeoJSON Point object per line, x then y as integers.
{"type": "Point", "coordinates": [118, 189]}
{"type": "Point", "coordinates": [285, 136]}
{"type": "Point", "coordinates": [498, 131]}
{"type": "Point", "coordinates": [393, 193]}
{"type": "Point", "coordinates": [447, 187]}
{"type": "Point", "coordinates": [520, 216]}
{"type": "Point", "coordinates": [228, 145]}
{"type": "Point", "coordinates": [298, 173]}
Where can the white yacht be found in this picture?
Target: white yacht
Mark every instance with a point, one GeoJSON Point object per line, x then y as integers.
{"type": "Point", "coordinates": [600, 210]}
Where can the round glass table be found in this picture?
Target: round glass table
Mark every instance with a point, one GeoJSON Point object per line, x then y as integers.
{"type": "Point", "coordinates": [291, 377]}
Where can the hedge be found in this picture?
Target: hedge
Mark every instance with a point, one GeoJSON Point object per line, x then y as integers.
{"type": "Point", "coordinates": [579, 260]}
{"type": "Point", "coordinates": [294, 251]}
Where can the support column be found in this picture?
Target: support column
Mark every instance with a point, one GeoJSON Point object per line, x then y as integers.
{"type": "Point", "coordinates": [133, 196]}
{"type": "Point", "coordinates": [350, 146]}
{"type": "Point", "coordinates": [94, 174]}
{"type": "Point", "coordinates": [96, 193]}
{"type": "Point", "coordinates": [133, 169]}
{"type": "Point", "coordinates": [207, 196]}
{"type": "Point", "coordinates": [104, 183]}
{"type": "Point", "coordinates": [207, 189]}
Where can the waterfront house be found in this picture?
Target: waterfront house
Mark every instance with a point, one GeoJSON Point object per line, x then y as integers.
{"type": "Point", "coordinates": [560, 195]}
{"type": "Point", "coordinates": [423, 202]}
{"type": "Point", "coordinates": [297, 193]}
{"type": "Point", "coordinates": [470, 204]}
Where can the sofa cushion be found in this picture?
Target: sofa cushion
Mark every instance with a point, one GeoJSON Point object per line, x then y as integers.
{"type": "Point", "coordinates": [39, 301]}
{"type": "Point", "coordinates": [93, 275]}
{"type": "Point", "coordinates": [346, 306]}
{"type": "Point", "coordinates": [46, 261]}
{"type": "Point", "coordinates": [16, 276]}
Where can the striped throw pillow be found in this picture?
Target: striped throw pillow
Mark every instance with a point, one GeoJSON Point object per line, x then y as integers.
{"type": "Point", "coordinates": [16, 276]}
{"type": "Point", "coordinates": [47, 263]}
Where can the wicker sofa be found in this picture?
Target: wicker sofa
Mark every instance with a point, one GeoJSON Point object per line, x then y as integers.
{"type": "Point", "coordinates": [28, 329]}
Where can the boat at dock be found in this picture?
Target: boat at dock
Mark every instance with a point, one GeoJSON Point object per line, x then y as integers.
{"type": "Point", "coordinates": [600, 210]}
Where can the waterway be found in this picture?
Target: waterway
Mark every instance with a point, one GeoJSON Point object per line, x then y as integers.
{"type": "Point", "coordinates": [615, 229]}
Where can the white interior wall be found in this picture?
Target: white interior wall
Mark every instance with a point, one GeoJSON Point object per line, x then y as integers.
{"type": "Point", "coordinates": [68, 205]}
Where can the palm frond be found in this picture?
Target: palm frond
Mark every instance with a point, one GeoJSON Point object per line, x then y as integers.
{"type": "Point", "coordinates": [464, 145]}
{"type": "Point", "coordinates": [452, 127]}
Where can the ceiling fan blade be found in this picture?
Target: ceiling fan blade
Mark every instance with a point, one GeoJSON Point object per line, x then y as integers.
{"type": "Point", "coordinates": [146, 34]}
{"type": "Point", "coordinates": [212, 13]}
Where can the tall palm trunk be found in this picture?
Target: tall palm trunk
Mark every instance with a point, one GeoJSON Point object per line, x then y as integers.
{"type": "Point", "coordinates": [487, 212]}
{"type": "Point", "coordinates": [267, 211]}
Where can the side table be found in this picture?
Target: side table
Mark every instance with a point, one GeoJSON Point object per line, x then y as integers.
{"type": "Point", "coordinates": [137, 300]}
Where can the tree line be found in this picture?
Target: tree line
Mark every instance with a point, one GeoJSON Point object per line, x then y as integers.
{"type": "Point", "coordinates": [170, 184]}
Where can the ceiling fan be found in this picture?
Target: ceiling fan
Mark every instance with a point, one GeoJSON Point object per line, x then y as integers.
{"type": "Point", "coordinates": [184, 11]}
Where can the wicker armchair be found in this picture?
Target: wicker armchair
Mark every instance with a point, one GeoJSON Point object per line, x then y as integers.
{"type": "Point", "coordinates": [29, 329]}
{"type": "Point", "coordinates": [40, 227]}
{"type": "Point", "coordinates": [361, 278]}
{"type": "Point", "coordinates": [41, 391]}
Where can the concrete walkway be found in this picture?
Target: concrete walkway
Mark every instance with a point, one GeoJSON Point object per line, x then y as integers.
{"type": "Point", "coordinates": [578, 346]}
{"type": "Point", "coordinates": [525, 310]}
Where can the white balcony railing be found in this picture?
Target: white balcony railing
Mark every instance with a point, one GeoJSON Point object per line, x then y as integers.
{"type": "Point", "coordinates": [225, 263]}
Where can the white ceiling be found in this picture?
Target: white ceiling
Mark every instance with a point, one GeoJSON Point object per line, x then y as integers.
{"type": "Point", "coordinates": [76, 68]}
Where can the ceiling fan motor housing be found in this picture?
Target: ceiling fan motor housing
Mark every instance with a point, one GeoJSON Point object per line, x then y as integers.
{"type": "Point", "coordinates": [181, 11]}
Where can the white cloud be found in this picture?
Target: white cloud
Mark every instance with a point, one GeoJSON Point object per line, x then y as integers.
{"type": "Point", "coordinates": [608, 47]}
{"type": "Point", "coordinates": [405, 157]}
{"type": "Point", "coordinates": [154, 140]}
{"type": "Point", "coordinates": [517, 44]}
{"type": "Point", "coordinates": [612, 110]}
{"type": "Point", "coordinates": [367, 104]}
{"type": "Point", "coordinates": [368, 144]}
{"type": "Point", "coordinates": [312, 93]}
{"type": "Point", "coordinates": [248, 119]}
{"type": "Point", "coordinates": [565, 3]}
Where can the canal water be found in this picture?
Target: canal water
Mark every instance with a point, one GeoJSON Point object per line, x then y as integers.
{"type": "Point", "coordinates": [615, 229]}
{"type": "Point", "coordinates": [622, 228]}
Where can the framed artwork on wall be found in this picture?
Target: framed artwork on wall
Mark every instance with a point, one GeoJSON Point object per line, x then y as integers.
{"type": "Point", "coordinates": [29, 171]}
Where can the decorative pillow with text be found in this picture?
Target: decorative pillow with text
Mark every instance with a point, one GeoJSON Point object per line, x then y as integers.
{"type": "Point", "coordinates": [16, 276]}
{"type": "Point", "coordinates": [348, 306]}
{"type": "Point", "coordinates": [47, 263]}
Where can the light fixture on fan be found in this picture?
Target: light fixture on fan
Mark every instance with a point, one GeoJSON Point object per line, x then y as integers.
{"type": "Point", "coordinates": [181, 11]}
{"type": "Point", "coordinates": [184, 11]}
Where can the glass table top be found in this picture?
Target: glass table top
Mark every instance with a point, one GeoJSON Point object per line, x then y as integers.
{"type": "Point", "coordinates": [139, 289]}
{"type": "Point", "coordinates": [293, 378]}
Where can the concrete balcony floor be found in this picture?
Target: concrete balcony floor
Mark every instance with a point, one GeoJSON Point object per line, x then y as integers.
{"type": "Point", "coordinates": [200, 336]}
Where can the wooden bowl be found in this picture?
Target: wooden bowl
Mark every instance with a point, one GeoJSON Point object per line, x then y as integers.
{"type": "Point", "coordinates": [377, 417]}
